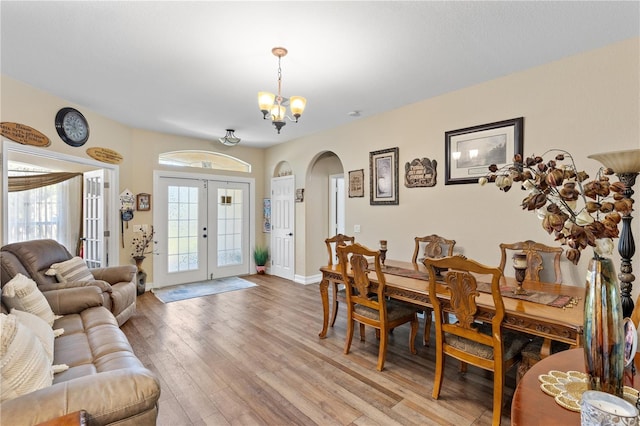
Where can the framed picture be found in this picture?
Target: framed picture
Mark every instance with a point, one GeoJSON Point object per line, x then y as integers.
{"type": "Point", "coordinates": [383, 177]}
{"type": "Point", "coordinates": [469, 152]}
{"type": "Point", "coordinates": [143, 201]}
{"type": "Point", "coordinates": [356, 183]}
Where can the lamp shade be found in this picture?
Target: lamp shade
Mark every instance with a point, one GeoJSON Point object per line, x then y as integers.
{"type": "Point", "coordinates": [265, 101]}
{"type": "Point", "coordinates": [278, 112]}
{"type": "Point", "coordinates": [620, 161]}
{"type": "Point", "coordinates": [230, 139]}
{"type": "Point", "coordinates": [297, 104]}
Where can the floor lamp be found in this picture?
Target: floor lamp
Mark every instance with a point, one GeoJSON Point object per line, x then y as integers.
{"type": "Point", "coordinates": [626, 165]}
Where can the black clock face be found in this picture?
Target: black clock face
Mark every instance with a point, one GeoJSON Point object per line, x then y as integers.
{"type": "Point", "coordinates": [72, 127]}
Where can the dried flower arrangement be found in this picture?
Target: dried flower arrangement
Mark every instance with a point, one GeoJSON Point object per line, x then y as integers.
{"type": "Point", "coordinates": [554, 189]}
{"type": "Point", "coordinates": [143, 244]}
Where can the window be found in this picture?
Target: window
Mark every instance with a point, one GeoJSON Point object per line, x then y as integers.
{"type": "Point", "coordinates": [44, 212]}
{"type": "Point", "coordinates": [204, 160]}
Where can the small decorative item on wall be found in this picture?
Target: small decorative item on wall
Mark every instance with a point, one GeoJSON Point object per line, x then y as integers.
{"type": "Point", "coordinates": [420, 173]}
{"type": "Point", "coordinates": [383, 181]}
{"type": "Point", "coordinates": [143, 202]}
{"type": "Point", "coordinates": [299, 195]}
{"type": "Point", "coordinates": [72, 127]}
{"type": "Point", "coordinates": [105, 155]}
{"type": "Point", "coordinates": [266, 215]}
{"type": "Point", "coordinates": [469, 152]}
{"type": "Point", "coordinates": [356, 183]}
{"type": "Point", "coordinates": [23, 134]}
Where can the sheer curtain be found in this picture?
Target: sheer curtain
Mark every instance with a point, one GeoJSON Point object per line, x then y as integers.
{"type": "Point", "coordinates": [50, 211]}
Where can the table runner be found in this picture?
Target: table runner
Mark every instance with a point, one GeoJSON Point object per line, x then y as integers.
{"type": "Point", "coordinates": [549, 299]}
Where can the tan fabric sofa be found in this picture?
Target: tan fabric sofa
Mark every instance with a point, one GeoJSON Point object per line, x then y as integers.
{"type": "Point", "coordinates": [34, 258]}
{"type": "Point", "coordinates": [104, 378]}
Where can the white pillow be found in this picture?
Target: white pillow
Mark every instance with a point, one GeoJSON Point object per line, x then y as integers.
{"type": "Point", "coordinates": [24, 366]}
{"type": "Point", "coordinates": [72, 270]}
{"type": "Point", "coordinates": [22, 294]}
{"type": "Point", "coordinates": [40, 328]}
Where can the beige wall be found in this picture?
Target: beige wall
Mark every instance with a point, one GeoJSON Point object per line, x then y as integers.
{"type": "Point", "coordinates": [585, 104]}
{"type": "Point", "coordinates": [24, 104]}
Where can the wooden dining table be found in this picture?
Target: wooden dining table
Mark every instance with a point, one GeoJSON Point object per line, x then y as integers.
{"type": "Point", "coordinates": [551, 323]}
{"type": "Point", "coordinates": [530, 406]}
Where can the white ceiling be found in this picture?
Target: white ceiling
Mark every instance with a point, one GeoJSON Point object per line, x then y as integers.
{"type": "Point", "coordinates": [194, 68]}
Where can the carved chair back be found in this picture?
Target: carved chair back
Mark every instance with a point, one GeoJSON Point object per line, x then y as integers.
{"type": "Point", "coordinates": [460, 283]}
{"type": "Point", "coordinates": [537, 256]}
{"type": "Point", "coordinates": [355, 258]}
{"type": "Point", "coordinates": [333, 242]}
{"type": "Point", "coordinates": [434, 246]}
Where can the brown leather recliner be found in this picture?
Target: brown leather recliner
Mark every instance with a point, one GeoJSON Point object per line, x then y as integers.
{"type": "Point", "coordinates": [33, 259]}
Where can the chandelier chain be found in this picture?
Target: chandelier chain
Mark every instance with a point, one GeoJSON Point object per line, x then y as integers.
{"type": "Point", "coordinates": [279, 81]}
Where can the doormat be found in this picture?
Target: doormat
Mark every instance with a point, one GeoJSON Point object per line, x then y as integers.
{"type": "Point", "coordinates": [201, 288]}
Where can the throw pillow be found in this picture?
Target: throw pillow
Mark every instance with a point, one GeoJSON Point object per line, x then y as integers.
{"type": "Point", "coordinates": [22, 294]}
{"type": "Point", "coordinates": [72, 270]}
{"type": "Point", "coordinates": [24, 366]}
{"type": "Point", "coordinates": [40, 328]}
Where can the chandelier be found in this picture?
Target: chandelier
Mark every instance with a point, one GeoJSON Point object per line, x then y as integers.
{"type": "Point", "coordinates": [275, 105]}
{"type": "Point", "coordinates": [230, 139]}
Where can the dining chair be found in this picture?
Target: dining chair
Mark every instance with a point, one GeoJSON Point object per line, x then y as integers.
{"type": "Point", "coordinates": [468, 339]}
{"type": "Point", "coordinates": [433, 246]}
{"type": "Point", "coordinates": [368, 305]}
{"type": "Point", "coordinates": [538, 255]}
{"type": "Point", "coordinates": [339, 293]}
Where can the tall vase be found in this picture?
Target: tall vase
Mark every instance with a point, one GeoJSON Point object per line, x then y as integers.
{"type": "Point", "coordinates": [141, 276]}
{"type": "Point", "coordinates": [603, 329]}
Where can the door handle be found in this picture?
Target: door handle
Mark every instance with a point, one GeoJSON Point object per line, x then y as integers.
{"type": "Point", "coordinates": [204, 236]}
{"type": "Point", "coordinates": [290, 234]}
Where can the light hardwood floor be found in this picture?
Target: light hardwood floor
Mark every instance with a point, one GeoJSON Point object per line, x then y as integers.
{"type": "Point", "coordinates": [253, 357]}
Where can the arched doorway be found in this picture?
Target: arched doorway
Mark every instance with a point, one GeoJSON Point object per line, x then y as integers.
{"type": "Point", "coordinates": [325, 206]}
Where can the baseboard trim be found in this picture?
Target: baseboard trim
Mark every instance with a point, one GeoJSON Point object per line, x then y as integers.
{"type": "Point", "coordinates": [313, 279]}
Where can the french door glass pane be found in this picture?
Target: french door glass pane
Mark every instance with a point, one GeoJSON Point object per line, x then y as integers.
{"type": "Point", "coordinates": [229, 232]}
{"type": "Point", "coordinates": [182, 231]}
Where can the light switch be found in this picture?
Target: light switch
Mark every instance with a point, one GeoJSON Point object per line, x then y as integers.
{"type": "Point", "coordinates": [356, 229]}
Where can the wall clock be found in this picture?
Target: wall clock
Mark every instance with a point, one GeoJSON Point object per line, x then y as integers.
{"type": "Point", "coordinates": [72, 127]}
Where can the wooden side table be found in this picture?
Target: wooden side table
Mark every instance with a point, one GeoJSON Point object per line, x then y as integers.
{"type": "Point", "coordinates": [532, 407]}
{"type": "Point", "coordinates": [77, 418]}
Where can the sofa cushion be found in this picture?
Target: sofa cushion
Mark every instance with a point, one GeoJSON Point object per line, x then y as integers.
{"type": "Point", "coordinates": [24, 364]}
{"type": "Point", "coordinates": [22, 294]}
{"type": "Point", "coordinates": [40, 328]}
{"type": "Point", "coordinates": [72, 270]}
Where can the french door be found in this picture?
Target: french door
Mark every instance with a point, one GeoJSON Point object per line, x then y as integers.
{"type": "Point", "coordinates": [94, 239]}
{"type": "Point", "coordinates": [202, 230]}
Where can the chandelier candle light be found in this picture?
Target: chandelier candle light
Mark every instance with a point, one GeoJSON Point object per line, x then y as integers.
{"type": "Point", "coordinates": [275, 105]}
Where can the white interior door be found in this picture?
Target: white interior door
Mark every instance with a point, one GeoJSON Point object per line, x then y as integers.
{"type": "Point", "coordinates": [228, 239]}
{"type": "Point", "coordinates": [202, 230]}
{"type": "Point", "coordinates": [94, 244]}
{"type": "Point", "coordinates": [282, 226]}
